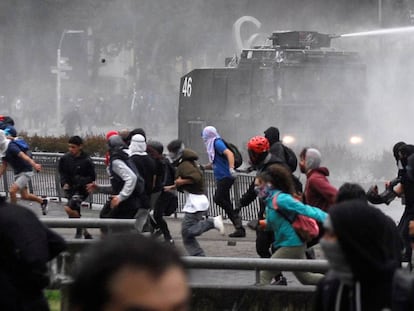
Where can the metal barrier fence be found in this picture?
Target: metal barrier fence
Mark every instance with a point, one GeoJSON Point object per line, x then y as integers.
{"type": "Point", "coordinates": [205, 296]}
{"type": "Point", "coordinates": [46, 183]}
{"type": "Point", "coordinates": [61, 268]}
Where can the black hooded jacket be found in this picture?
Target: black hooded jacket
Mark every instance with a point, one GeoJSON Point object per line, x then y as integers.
{"type": "Point", "coordinates": [372, 247]}
{"type": "Point", "coordinates": [283, 153]}
{"type": "Point", "coordinates": [26, 247]}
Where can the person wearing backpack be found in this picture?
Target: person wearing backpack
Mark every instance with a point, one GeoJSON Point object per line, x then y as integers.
{"type": "Point", "coordinates": [145, 165]}
{"type": "Point", "coordinates": [279, 150]}
{"type": "Point", "coordinates": [164, 203]}
{"type": "Point", "coordinates": [12, 154]}
{"type": "Point", "coordinates": [125, 194]}
{"type": "Point", "coordinates": [5, 122]}
{"type": "Point", "coordinates": [276, 188]}
{"type": "Point", "coordinates": [222, 162]}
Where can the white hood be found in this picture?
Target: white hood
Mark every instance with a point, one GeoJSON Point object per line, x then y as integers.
{"type": "Point", "coordinates": [138, 145]}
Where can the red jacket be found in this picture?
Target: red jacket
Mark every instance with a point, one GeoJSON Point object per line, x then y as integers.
{"type": "Point", "coordinates": [318, 191]}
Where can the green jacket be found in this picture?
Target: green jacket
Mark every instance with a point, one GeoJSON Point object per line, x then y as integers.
{"type": "Point", "coordinates": [188, 169]}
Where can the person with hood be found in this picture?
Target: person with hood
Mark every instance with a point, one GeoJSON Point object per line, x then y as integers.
{"type": "Point", "coordinates": [145, 165]}
{"type": "Point", "coordinates": [362, 259]}
{"type": "Point", "coordinates": [402, 186]}
{"type": "Point", "coordinates": [146, 169]}
{"type": "Point", "coordinates": [107, 136]}
{"type": "Point", "coordinates": [164, 203]}
{"type": "Point", "coordinates": [318, 190]}
{"type": "Point", "coordinates": [133, 132]}
{"type": "Point", "coordinates": [124, 201]}
{"type": "Point", "coordinates": [354, 191]}
{"type": "Point", "coordinates": [76, 170]}
{"type": "Point", "coordinates": [26, 247]}
{"type": "Point", "coordinates": [222, 161]}
{"type": "Point", "coordinates": [406, 188]}
{"type": "Point", "coordinates": [189, 179]}
{"type": "Point", "coordinates": [279, 150]}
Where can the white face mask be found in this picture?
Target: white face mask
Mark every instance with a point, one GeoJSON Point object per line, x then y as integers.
{"type": "Point", "coordinates": [174, 156]}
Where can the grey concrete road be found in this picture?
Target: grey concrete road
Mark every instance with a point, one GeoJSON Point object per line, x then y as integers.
{"type": "Point", "coordinates": [214, 245]}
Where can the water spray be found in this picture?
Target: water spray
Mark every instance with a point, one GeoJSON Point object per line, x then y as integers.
{"type": "Point", "coordinates": [379, 32]}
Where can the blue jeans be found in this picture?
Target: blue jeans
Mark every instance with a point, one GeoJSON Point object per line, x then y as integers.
{"type": "Point", "coordinates": [194, 225]}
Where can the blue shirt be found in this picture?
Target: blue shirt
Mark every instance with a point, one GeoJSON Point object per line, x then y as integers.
{"type": "Point", "coordinates": [17, 163]}
{"type": "Point", "coordinates": [220, 163]}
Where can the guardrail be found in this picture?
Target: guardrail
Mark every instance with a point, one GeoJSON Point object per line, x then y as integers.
{"type": "Point", "coordinates": [207, 297]}
{"type": "Point", "coordinates": [224, 297]}
{"type": "Point", "coordinates": [64, 268]}
{"type": "Point", "coordinates": [88, 223]}
{"type": "Point", "coordinates": [47, 183]}
{"type": "Point", "coordinates": [63, 265]}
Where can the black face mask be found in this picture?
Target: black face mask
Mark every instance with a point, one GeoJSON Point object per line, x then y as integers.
{"type": "Point", "coordinates": [256, 158]}
{"type": "Point", "coordinates": [403, 161]}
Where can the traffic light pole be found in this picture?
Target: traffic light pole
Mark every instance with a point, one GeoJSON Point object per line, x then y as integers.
{"type": "Point", "coordinates": [59, 70]}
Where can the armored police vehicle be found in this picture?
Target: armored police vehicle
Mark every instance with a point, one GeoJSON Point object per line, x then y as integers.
{"type": "Point", "coordinates": [313, 93]}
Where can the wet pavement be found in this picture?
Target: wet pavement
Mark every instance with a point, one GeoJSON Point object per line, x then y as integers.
{"type": "Point", "coordinates": [214, 244]}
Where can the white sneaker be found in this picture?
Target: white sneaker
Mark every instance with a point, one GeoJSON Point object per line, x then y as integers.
{"type": "Point", "coordinates": [218, 224]}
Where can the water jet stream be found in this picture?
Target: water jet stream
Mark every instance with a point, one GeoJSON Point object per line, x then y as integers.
{"type": "Point", "coordinates": [379, 32]}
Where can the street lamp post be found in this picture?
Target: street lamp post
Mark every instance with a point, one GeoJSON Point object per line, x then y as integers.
{"type": "Point", "coordinates": [59, 71]}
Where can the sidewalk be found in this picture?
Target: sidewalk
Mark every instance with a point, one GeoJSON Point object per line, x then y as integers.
{"type": "Point", "coordinates": [212, 242]}
{"type": "Point", "coordinates": [214, 245]}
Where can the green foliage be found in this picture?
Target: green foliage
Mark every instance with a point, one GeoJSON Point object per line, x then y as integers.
{"type": "Point", "coordinates": [53, 297]}
{"type": "Point", "coordinates": [93, 145]}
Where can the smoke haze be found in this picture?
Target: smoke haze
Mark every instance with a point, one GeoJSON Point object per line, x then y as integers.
{"type": "Point", "coordinates": [127, 63]}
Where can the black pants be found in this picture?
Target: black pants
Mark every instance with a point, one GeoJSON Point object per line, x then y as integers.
{"type": "Point", "coordinates": [125, 210]}
{"type": "Point", "coordinates": [159, 211]}
{"type": "Point", "coordinates": [264, 241]}
{"type": "Point", "coordinates": [222, 199]}
{"type": "Point", "coordinates": [403, 229]}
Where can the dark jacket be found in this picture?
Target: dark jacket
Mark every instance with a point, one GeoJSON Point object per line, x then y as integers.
{"type": "Point", "coordinates": [318, 191]}
{"type": "Point", "coordinates": [250, 195]}
{"type": "Point", "coordinates": [26, 247]}
{"type": "Point", "coordinates": [369, 240]}
{"type": "Point", "coordinates": [146, 168]}
{"type": "Point", "coordinates": [188, 169]}
{"type": "Point", "coordinates": [128, 207]}
{"type": "Point", "coordinates": [77, 172]}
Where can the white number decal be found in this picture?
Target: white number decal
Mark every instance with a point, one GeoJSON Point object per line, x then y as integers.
{"type": "Point", "coordinates": [187, 87]}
